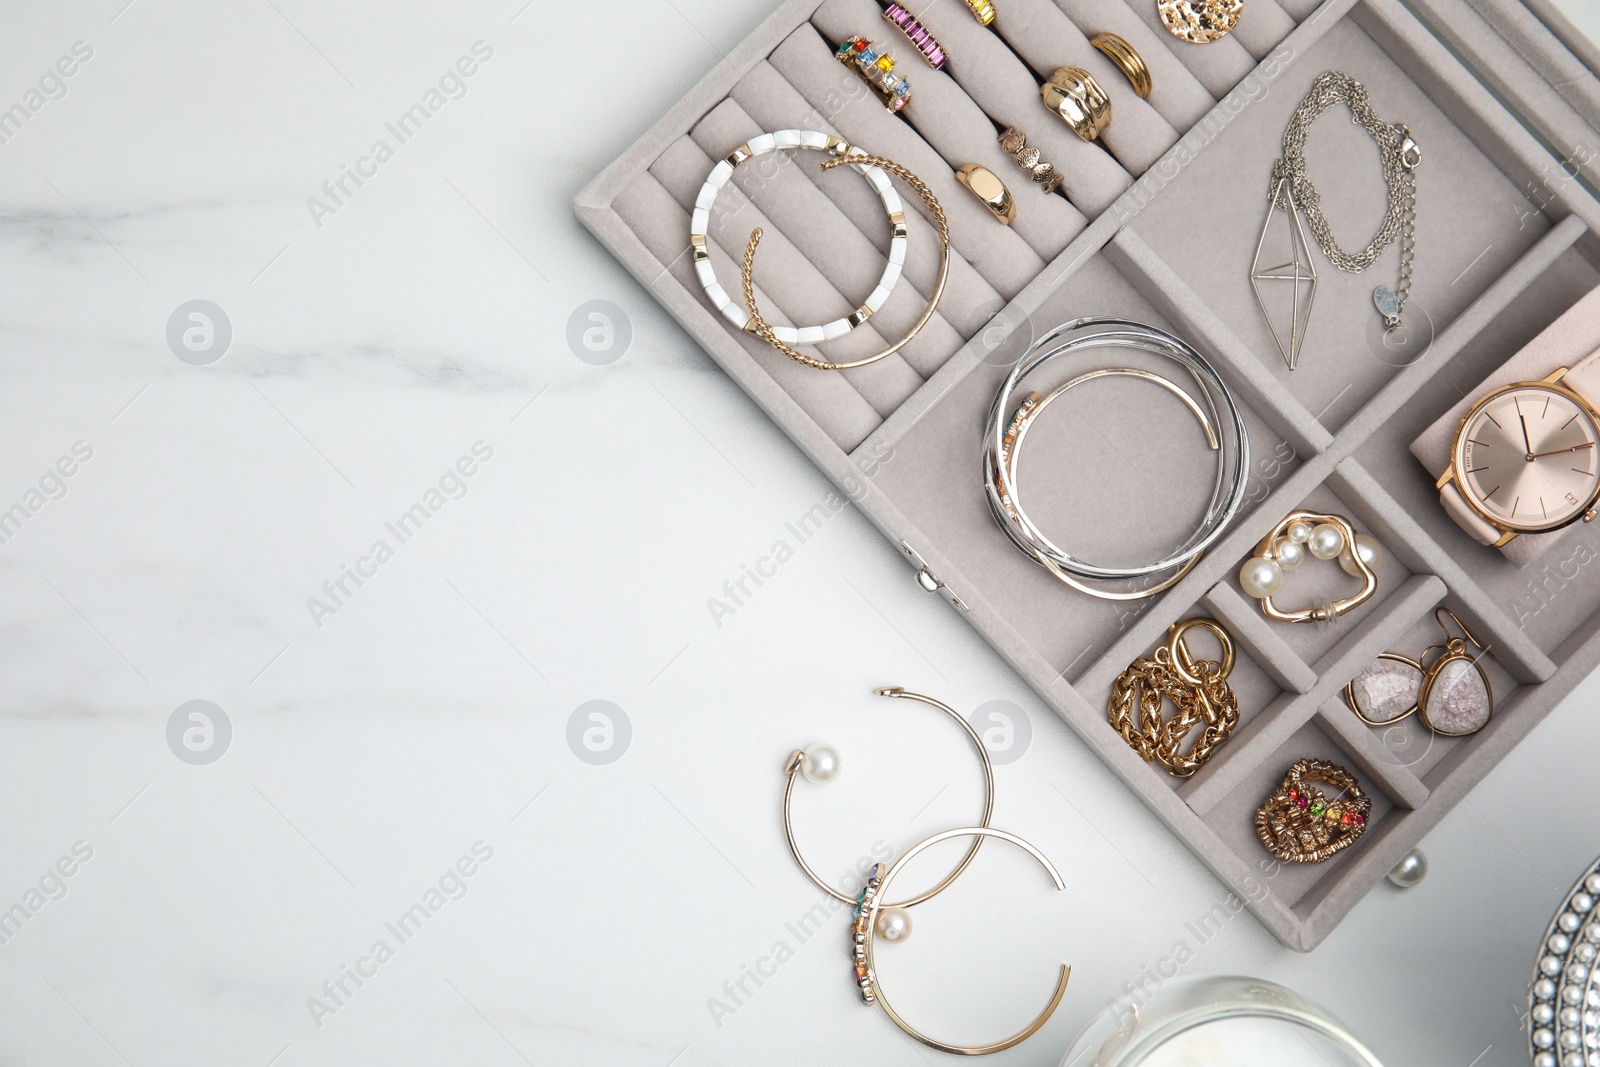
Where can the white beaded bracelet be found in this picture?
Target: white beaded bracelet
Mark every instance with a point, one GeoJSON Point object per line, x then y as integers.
{"type": "Point", "coordinates": [781, 140]}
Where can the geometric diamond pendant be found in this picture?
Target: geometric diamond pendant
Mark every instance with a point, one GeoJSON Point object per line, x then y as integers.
{"type": "Point", "coordinates": [1291, 283]}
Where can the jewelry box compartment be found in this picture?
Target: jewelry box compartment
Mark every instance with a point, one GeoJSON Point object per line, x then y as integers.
{"type": "Point", "coordinates": [904, 435]}
{"type": "Point", "coordinates": [1474, 219]}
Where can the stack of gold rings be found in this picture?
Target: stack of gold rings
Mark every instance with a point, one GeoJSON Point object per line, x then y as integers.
{"type": "Point", "coordinates": [873, 916]}
{"type": "Point", "coordinates": [1127, 59]}
{"type": "Point", "coordinates": [1073, 93]}
{"type": "Point", "coordinates": [1299, 823]}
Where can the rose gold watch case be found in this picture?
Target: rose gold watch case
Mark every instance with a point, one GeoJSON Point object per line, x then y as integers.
{"type": "Point", "coordinates": [1552, 384]}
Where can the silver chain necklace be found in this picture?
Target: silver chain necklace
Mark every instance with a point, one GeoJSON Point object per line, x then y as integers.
{"type": "Point", "coordinates": [1294, 194]}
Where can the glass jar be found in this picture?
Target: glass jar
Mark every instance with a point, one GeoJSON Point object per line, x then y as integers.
{"type": "Point", "coordinates": [1225, 1021]}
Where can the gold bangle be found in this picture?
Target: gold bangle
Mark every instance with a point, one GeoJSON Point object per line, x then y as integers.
{"type": "Point", "coordinates": [1127, 59]}
{"type": "Point", "coordinates": [1073, 94]}
{"type": "Point", "coordinates": [982, 10]}
{"type": "Point", "coordinates": [989, 189]}
{"type": "Point", "coordinates": [762, 329]}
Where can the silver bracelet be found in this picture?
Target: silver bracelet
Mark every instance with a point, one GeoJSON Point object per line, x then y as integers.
{"type": "Point", "coordinates": [1008, 425]}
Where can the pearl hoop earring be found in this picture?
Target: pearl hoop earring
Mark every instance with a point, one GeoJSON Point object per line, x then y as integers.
{"type": "Point", "coordinates": [871, 910]}
{"type": "Point", "coordinates": [1324, 536]}
{"type": "Point", "coordinates": [820, 763]}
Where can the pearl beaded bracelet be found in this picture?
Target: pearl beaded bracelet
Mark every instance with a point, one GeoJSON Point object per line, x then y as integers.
{"type": "Point", "coordinates": [1323, 536]}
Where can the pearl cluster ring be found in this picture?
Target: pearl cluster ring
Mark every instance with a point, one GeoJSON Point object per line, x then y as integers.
{"type": "Point", "coordinates": [1325, 537]}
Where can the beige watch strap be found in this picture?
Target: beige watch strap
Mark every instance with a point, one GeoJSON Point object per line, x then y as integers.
{"type": "Point", "coordinates": [1584, 378]}
{"type": "Point", "coordinates": [1469, 520]}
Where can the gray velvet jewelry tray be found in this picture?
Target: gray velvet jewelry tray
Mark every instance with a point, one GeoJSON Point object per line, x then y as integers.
{"type": "Point", "coordinates": [1158, 223]}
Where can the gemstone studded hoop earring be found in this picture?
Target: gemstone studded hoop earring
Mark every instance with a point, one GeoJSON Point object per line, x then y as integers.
{"type": "Point", "coordinates": [869, 913]}
{"type": "Point", "coordinates": [820, 763]}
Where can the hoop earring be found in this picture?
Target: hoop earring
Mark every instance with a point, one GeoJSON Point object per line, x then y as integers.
{"type": "Point", "coordinates": [863, 931]}
{"type": "Point", "coordinates": [823, 762]}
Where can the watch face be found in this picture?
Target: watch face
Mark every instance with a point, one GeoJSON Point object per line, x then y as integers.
{"type": "Point", "coordinates": [1525, 457]}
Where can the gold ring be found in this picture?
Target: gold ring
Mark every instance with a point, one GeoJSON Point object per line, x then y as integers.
{"type": "Point", "coordinates": [1200, 21]}
{"type": "Point", "coordinates": [987, 187]}
{"type": "Point", "coordinates": [1127, 59]}
{"type": "Point", "coordinates": [982, 10]}
{"type": "Point", "coordinates": [1073, 94]}
{"type": "Point", "coordinates": [1015, 144]}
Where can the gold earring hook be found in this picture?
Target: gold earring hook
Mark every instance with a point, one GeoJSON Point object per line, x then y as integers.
{"type": "Point", "coordinates": [1479, 645]}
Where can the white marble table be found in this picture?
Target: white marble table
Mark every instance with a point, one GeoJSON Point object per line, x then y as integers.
{"type": "Point", "coordinates": [402, 340]}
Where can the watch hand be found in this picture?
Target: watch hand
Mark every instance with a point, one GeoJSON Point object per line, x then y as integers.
{"type": "Point", "coordinates": [1527, 445]}
{"type": "Point", "coordinates": [1558, 451]}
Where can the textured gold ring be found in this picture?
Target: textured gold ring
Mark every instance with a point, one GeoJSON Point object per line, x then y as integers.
{"type": "Point", "coordinates": [1073, 94]}
{"type": "Point", "coordinates": [988, 188]}
{"type": "Point", "coordinates": [1127, 59]}
{"type": "Point", "coordinates": [1015, 144]}
{"type": "Point", "coordinates": [982, 10]}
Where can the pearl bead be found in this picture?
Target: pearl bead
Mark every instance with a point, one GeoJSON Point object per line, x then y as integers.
{"type": "Point", "coordinates": [1559, 943]}
{"type": "Point", "coordinates": [1260, 577]}
{"type": "Point", "coordinates": [1550, 966]}
{"type": "Point", "coordinates": [1592, 883]}
{"type": "Point", "coordinates": [1582, 902]}
{"type": "Point", "coordinates": [821, 764]}
{"type": "Point", "coordinates": [1327, 541]}
{"type": "Point", "coordinates": [1542, 1014]}
{"type": "Point", "coordinates": [1569, 922]}
{"type": "Point", "coordinates": [894, 924]}
{"type": "Point", "coordinates": [1545, 1059]}
{"type": "Point", "coordinates": [1544, 989]}
{"type": "Point", "coordinates": [1571, 1017]}
{"type": "Point", "coordinates": [1299, 531]}
{"type": "Point", "coordinates": [1288, 554]}
{"type": "Point", "coordinates": [1411, 870]}
{"type": "Point", "coordinates": [1570, 1039]}
{"type": "Point", "coordinates": [1543, 1038]}
{"type": "Point", "coordinates": [1370, 551]}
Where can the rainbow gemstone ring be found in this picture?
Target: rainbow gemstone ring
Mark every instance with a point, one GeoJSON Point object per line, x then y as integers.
{"type": "Point", "coordinates": [877, 70]}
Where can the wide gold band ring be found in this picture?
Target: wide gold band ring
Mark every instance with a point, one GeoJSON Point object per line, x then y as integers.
{"type": "Point", "coordinates": [1073, 94]}
{"type": "Point", "coordinates": [988, 188]}
{"type": "Point", "coordinates": [1127, 59]}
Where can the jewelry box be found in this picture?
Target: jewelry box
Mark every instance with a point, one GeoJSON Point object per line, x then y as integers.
{"type": "Point", "coordinates": [1156, 221]}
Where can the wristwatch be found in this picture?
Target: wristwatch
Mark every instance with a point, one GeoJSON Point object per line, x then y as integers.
{"type": "Point", "coordinates": [1523, 458]}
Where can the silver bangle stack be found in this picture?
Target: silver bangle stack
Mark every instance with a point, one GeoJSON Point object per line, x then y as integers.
{"type": "Point", "coordinates": [1008, 425]}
